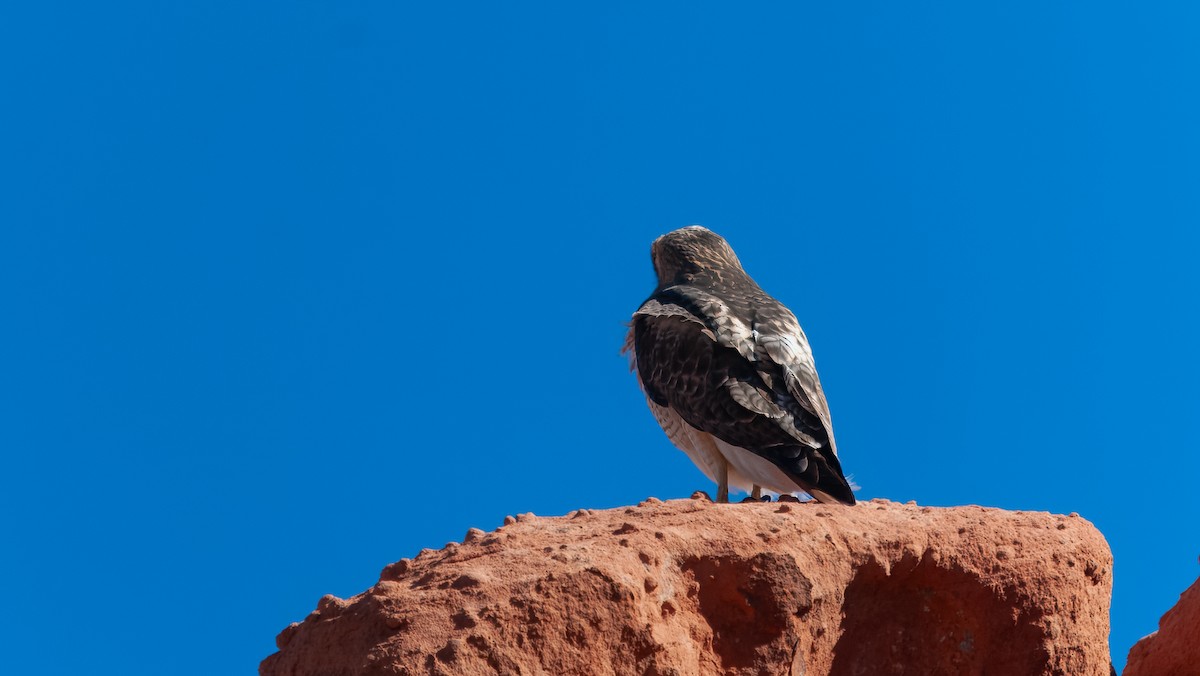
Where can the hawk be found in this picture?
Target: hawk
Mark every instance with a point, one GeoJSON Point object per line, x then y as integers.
{"type": "Point", "coordinates": [729, 375]}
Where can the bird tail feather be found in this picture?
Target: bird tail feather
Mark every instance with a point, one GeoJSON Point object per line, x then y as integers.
{"type": "Point", "coordinates": [824, 479]}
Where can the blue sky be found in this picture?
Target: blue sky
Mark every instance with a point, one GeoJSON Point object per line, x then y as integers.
{"type": "Point", "coordinates": [296, 289]}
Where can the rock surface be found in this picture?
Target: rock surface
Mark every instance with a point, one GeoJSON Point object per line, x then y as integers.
{"type": "Point", "coordinates": [689, 587]}
{"type": "Point", "coordinates": [1173, 650]}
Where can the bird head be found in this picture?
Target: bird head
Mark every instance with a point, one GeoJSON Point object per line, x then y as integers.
{"type": "Point", "coordinates": [682, 254]}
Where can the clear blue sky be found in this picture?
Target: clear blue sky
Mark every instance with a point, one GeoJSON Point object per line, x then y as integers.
{"type": "Point", "coordinates": [295, 289]}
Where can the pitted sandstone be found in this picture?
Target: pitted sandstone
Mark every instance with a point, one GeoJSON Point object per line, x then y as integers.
{"type": "Point", "coordinates": [689, 587]}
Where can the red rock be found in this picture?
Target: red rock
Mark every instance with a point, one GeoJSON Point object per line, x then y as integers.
{"type": "Point", "coordinates": [1173, 650]}
{"type": "Point", "coordinates": [690, 587]}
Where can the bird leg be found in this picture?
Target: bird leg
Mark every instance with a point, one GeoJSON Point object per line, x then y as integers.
{"type": "Point", "coordinates": [723, 481]}
{"type": "Point", "coordinates": [756, 494]}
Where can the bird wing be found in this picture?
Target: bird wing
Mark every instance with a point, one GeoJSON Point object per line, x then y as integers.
{"type": "Point", "coordinates": [741, 371]}
{"type": "Point", "coordinates": [785, 360]}
{"type": "Point", "coordinates": [671, 347]}
{"type": "Point", "coordinates": [775, 377]}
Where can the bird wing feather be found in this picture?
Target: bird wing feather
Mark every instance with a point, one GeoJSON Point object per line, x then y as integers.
{"type": "Point", "coordinates": [784, 348]}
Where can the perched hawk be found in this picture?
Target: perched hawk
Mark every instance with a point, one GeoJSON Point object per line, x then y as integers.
{"type": "Point", "coordinates": [729, 375]}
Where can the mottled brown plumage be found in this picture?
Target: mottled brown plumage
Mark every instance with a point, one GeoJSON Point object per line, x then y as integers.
{"type": "Point", "coordinates": [729, 375]}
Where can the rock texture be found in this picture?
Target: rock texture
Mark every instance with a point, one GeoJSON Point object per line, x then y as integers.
{"type": "Point", "coordinates": [1173, 650]}
{"type": "Point", "coordinates": [690, 587]}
